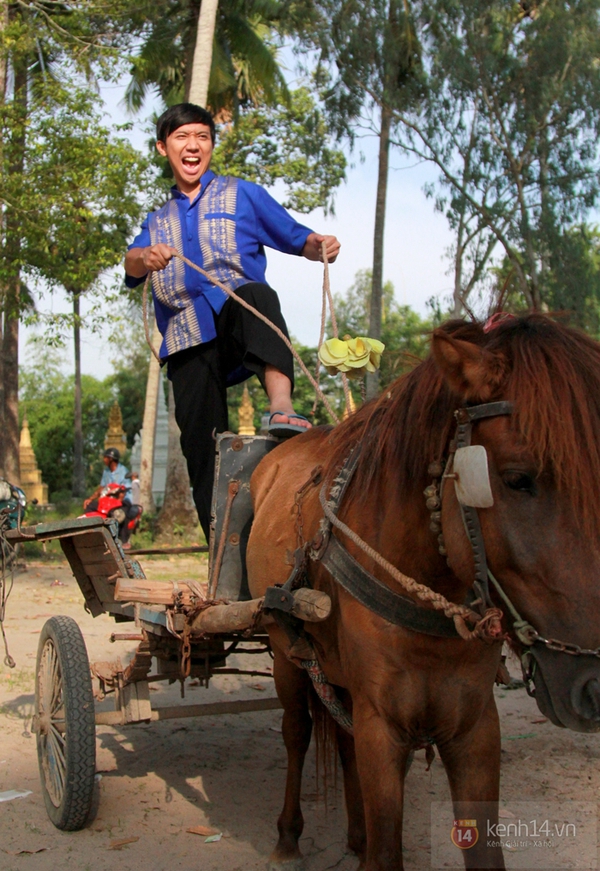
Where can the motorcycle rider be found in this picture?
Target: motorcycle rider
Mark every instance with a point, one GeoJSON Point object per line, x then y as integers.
{"type": "Point", "coordinates": [116, 473]}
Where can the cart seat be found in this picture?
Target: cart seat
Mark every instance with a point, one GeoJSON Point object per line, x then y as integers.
{"type": "Point", "coordinates": [237, 458]}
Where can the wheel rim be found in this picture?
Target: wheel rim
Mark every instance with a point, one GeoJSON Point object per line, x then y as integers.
{"type": "Point", "coordinates": [51, 713]}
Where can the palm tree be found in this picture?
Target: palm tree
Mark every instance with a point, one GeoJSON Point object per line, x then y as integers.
{"type": "Point", "coordinates": [244, 68]}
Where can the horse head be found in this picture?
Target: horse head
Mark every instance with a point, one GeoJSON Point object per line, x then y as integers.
{"type": "Point", "coordinates": [540, 524]}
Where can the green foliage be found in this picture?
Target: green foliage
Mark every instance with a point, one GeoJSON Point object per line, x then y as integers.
{"type": "Point", "coordinates": [369, 56]}
{"type": "Point", "coordinates": [244, 66]}
{"type": "Point", "coordinates": [573, 285]}
{"type": "Point", "coordinates": [47, 400]}
{"type": "Point", "coordinates": [128, 381]}
{"type": "Point", "coordinates": [91, 182]}
{"type": "Point", "coordinates": [512, 122]}
{"type": "Point", "coordinates": [572, 288]}
{"type": "Point", "coordinates": [290, 143]}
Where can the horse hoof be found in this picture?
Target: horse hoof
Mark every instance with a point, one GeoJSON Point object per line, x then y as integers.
{"type": "Point", "coordinates": [286, 865]}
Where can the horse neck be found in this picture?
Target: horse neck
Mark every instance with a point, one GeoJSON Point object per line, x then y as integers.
{"type": "Point", "coordinates": [395, 522]}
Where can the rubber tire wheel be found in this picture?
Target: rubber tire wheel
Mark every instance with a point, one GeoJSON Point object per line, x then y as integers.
{"type": "Point", "coordinates": [66, 756]}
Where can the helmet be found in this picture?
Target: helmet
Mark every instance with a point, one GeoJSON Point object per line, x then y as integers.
{"type": "Point", "coordinates": [112, 454]}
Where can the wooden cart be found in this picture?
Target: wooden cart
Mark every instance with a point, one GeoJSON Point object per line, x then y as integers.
{"type": "Point", "coordinates": [188, 629]}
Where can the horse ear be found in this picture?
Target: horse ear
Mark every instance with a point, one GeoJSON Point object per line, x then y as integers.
{"type": "Point", "coordinates": [472, 372]}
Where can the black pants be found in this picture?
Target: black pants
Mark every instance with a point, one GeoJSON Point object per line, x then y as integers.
{"type": "Point", "coordinates": [131, 511]}
{"type": "Point", "coordinates": [199, 377]}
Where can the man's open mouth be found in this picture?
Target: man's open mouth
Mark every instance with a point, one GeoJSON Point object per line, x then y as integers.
{"type": "Point", "coordinates": [191, 162]}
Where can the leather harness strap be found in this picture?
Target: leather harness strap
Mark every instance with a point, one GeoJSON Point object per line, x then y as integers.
{"type": "Point", "coordinates": [465, 417]}
{"type": "Point", "coordinates": [381, 599]}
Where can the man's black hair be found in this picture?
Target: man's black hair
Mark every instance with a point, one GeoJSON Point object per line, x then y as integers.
{"type": "Point", "coordinates": [183, 113]}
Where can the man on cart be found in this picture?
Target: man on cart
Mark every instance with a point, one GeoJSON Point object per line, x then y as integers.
{"type": "Point", "coordinates": [210, 341]}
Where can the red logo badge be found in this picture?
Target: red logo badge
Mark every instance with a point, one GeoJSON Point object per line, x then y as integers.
{"type": "Point", "coordinates": [464, 834]}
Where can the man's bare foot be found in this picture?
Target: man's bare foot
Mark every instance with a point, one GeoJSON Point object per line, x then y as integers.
{"type": "Point", "coordinates": [290, 417]}
{"type": "Point", "coordinates": [284, 424]}
{"type": "Point", "coordinates": [284, 421]}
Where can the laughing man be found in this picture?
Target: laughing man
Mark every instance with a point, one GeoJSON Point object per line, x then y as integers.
{"type": "Point", "coordinates": [210, 341]}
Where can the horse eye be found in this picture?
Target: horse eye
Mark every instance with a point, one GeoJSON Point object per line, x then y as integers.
{"type": "Point", "coordinates": [519, 481]}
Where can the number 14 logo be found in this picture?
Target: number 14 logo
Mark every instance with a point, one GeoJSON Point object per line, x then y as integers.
{"type": "Point", "coordinates": [464, 834]}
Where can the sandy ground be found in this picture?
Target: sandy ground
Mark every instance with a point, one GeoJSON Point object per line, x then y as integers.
{"type": "Point", "coordinates": [157, 780]}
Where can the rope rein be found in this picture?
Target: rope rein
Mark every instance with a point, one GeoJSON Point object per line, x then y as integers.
{"type": "Point", "coordinates": [254, 311]}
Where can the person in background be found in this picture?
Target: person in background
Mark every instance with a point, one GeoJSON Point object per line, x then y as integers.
{"type": "Point", "coordinates": [114, 473]}
{"type": "Point", "coordinates": [136, 490]}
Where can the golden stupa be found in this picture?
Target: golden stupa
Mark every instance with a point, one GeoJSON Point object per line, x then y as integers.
{"type": "Point", "coordinates": [31, 477]}
{"type": "Point", "coordinates": [115, 435]}
{"type": "Point", "coordinates": [246, 415]}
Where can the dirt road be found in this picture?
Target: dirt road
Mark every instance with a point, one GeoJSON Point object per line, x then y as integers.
{"type": "Point", "coordinates": [155, 781]}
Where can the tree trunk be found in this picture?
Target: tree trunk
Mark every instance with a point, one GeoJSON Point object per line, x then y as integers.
{"type": "Point", "coordinates": [203, 50]}
{"type": "Point", "coordinates": [4, 55]}
{"type": "Point", "coordinates": [78, 466]}
{"type": "Point", "coordinates": [378, 237]}
{"type": "Point", "coordinates": [149, 428]}
{"type": "Point", "coordinates": [10, 336]}
{"type": "Point", "coordinates": [178, 508]}
{"type": "Point", "coordinates": [3, 70]}
{"type": "Point", "coordinates": [545, 212]}
{"type": "Point", "coordinates": [178, 512]}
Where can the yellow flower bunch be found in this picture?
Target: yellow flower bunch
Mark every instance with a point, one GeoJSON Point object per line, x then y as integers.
{"type": "Point", "coordinates": [352, 356]}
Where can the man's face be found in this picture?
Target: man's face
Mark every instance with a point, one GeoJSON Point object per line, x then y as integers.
{"type": "Point", "coordinates": [106, 461]}
{"type": "Point", "coordinates": [188, 150]}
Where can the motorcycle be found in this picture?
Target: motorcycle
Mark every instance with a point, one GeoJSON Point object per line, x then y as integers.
{"type": "Point", "coordinates": [109, 504]}
{"type": "Point", "coordinates": [12, 510]}
{"type": "Point", "coordinates": [12, 504]}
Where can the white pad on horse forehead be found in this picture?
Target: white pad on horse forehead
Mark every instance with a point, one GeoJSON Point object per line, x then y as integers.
{"type": "Point", "coordinates": [472, 480]}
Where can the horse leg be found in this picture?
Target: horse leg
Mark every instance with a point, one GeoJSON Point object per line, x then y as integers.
{"type": "Point", "coordinates": [382, 763]}
{"type": "Point", "coordinates": [472, 764]}
{"type": "Point", "coordinates": [357, 833]}
{"type": "Point", "coordinates": [292, 688]}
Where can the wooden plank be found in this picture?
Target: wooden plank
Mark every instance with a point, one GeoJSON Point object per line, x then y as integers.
{"type": "Point", "coordinates": [156, 592]}
{"type": "Point", "coordinates": [310, 605]}
{"type": "Point", "coordinates": [81, 576]}
{"type": "Point", "coordinates": [195, 548]}
{"type": "Point", "coordinates": [26, 533]}
{"type": "Point", "coordinates": [104, 590]}
{"type": "Point", "coordinates": [93, 553]}
{"type": "Point", "coordinates": [179, 712]}
{"type": "Point", "coordinates": [67, 527]}
{"type": "Point", "coordinates": [105, 568]}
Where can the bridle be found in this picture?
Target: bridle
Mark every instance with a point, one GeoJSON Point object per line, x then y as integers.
{"type": "Point", "coordinates": [525, 633]}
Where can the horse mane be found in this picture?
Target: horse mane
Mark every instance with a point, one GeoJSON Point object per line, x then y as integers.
{"type": "Point", "coordinates": [553, 379]}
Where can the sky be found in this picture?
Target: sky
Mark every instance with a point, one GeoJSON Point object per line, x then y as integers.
{"type": "Point", "coordinates": [416, 242]}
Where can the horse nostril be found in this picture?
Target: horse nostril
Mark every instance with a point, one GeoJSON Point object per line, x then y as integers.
{"type": "Point", "coordinates": [589, 702]}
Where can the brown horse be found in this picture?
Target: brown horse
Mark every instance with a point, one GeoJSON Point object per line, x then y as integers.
{"type": "Point", "coordinates": [406, 689]}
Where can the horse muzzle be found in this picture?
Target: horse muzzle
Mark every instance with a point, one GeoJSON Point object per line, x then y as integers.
{"type": "Point", "coordinates": [567, 688]}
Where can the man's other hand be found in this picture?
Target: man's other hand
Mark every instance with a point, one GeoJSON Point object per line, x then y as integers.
{"type": "Point", "coordinates": [313, 247]}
